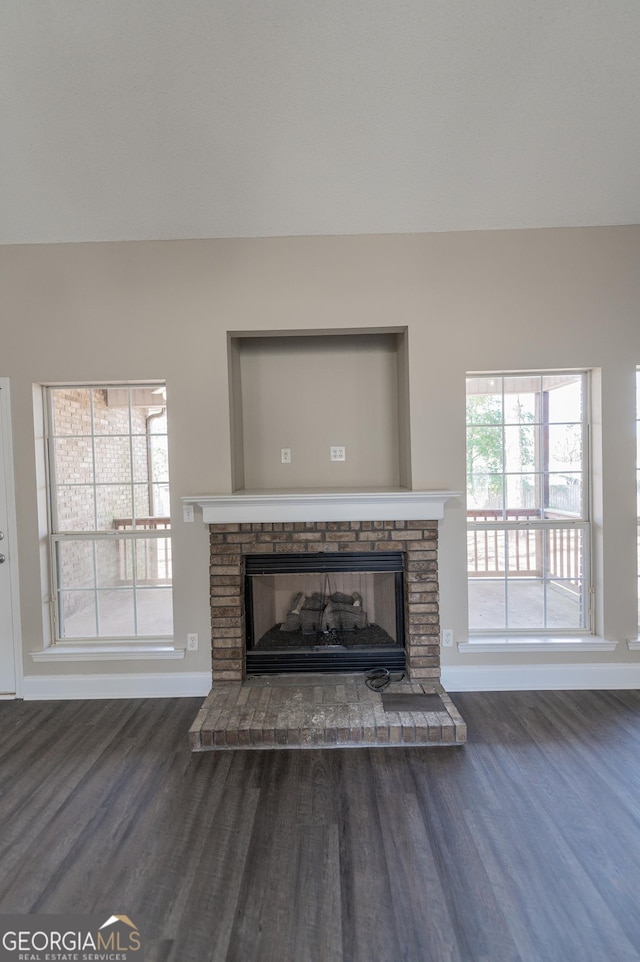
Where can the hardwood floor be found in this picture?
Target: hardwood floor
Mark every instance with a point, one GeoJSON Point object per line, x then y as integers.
{"type": "Point", "coordinates": [522, 846]}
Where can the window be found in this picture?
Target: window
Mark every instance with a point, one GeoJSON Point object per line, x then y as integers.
{"type": "Point", "coordinates": [527, 503]}
{"type": "Point", "coordinates": [109, 518]}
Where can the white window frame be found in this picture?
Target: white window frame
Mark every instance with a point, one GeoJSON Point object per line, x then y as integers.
{"type": "Point", "coordinates": [546, 634]}
{"type": "Point", "coordinates": [153, 645]}
{"type": "Point", "coordinates": [638, 484]}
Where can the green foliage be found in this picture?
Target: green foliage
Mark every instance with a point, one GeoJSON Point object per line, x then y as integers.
{"type": "Point", "coordinates": [484, 438]}
{"type": "Point", "coordinates": [486, 441]}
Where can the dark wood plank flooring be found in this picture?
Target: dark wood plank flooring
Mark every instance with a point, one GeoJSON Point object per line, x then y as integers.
{"type": "Point", "coordinates": [523, 846]}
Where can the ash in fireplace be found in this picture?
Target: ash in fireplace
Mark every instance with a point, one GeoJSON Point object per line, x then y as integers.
{"type": "Point", "coordinates": [371, 636]}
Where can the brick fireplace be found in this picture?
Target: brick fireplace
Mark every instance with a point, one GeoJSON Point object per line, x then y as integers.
{"type": "Point", "coordinates": [332, 709]}
{"type": "Point", "coordinates": [417, 540]}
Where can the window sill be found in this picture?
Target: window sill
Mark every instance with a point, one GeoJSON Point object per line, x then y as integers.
{"type": "Point", "coordinates": [109, 652]}
{"type": "Point", "coordinates": [500, 643]}
{"type": "Point", "coordinates": [634, 645]}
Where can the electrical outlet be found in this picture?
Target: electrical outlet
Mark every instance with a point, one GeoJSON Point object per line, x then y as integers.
{"type": "Point", "coordinates": [187, 512]}
{"type": "Point", "coordinates": [447, 637]}
{"type": "Point", "coordinates": [285, 455]}
{"type": "Point", "coordinates": [192, 641]}
{"type": "Point", "coordinates": [337, 453]}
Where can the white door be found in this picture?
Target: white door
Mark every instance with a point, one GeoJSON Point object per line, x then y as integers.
{"type": "Point", "coordinates": [8, 566]}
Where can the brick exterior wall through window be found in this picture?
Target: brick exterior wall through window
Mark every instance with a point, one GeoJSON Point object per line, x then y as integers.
{"type": "Point", "coordinates": [73, 459]}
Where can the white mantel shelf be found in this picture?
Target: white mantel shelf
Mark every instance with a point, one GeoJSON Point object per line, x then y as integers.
{"type": "Point", "coordinates": [397, 504]}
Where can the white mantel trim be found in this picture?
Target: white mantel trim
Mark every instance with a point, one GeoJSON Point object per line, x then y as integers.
{"type": "Point", "coordinates": [361, 505]}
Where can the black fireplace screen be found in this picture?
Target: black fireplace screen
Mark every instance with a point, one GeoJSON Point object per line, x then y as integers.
{"type": "Point", "coordinates": [324, 612]}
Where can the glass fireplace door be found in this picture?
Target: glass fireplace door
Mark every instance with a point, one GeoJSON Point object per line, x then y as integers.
{"type": "Point", "coordinates": [327, 612]}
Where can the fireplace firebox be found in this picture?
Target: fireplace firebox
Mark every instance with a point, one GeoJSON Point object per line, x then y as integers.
{"type": "Point", "coordinates": [324, 612]}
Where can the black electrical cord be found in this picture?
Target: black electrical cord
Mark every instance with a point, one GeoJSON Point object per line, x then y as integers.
{"type": "Point", "coordinates": [377, 679]}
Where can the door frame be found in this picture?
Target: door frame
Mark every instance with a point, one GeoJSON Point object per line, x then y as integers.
{"type": "Point", "coordinates": [11, 533]}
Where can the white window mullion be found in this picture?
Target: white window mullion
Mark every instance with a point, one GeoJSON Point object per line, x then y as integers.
{"type": "Point", "coordinates": [134, 580]}
{"type": "Point", "coordinates": [96, 593]}
{"type": "Point", "coordinates": [50, 463]}
{"type": "Point", "coordinates": [93, 463]}
{"type": "Point", "coordinates": [505, 592]}
{"type": "Point", "coordinates": [134, 544]}
{"type": "Point", "coordinates": [545, 572]}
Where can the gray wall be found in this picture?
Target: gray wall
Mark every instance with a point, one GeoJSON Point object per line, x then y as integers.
{"type": "Point", "coordinates": [312, 392]}
{"type": "Point", "coordinates": [477, 301]}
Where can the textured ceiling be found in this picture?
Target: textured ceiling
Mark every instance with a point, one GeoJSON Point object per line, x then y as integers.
{"type": "Point", "coordinates": [135, 119]}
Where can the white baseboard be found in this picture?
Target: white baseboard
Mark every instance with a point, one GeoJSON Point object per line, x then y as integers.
{"type": "Point", "coordinates": [454, 678]}
{"type": "Point", "coordinates": [150, 685]}
{"type": "Point", "coordinates": [539, 677]}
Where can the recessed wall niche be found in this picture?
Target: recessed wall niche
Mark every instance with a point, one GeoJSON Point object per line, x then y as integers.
{"type": "Point", "coordinates": [307, 392]}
